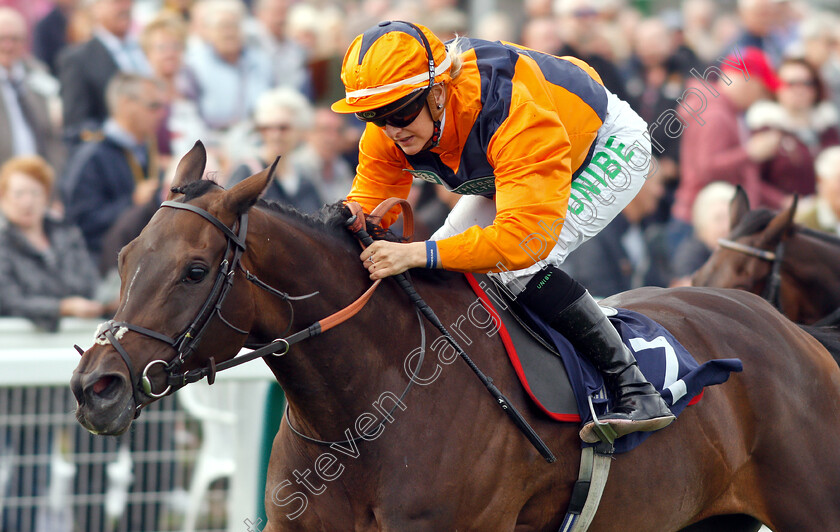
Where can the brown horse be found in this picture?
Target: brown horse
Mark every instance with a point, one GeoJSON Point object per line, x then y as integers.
{"type": "Point", "coordinates": [440, 455]}
{"type": "Point", "coordinates": [793, 267]}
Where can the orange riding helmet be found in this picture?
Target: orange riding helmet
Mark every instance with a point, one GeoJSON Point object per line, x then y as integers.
{"type": "Point", "coordinates": [388, 73]}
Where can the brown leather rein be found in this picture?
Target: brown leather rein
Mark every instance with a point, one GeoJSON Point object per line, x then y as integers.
{"type": "Point", "coordinates": [186, 343]}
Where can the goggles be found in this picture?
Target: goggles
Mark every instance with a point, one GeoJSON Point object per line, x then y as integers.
{"type": "Point", "coordinates": [401, 113]}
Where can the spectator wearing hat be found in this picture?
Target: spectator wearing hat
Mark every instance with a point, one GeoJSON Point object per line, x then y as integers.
{"type": "Point", "coordinates": [716, 145]}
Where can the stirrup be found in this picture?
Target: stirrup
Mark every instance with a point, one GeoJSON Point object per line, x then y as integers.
{"type": "Point", "coordinates": [605, 432]}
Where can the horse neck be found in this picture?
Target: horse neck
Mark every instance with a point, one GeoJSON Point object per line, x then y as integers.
{"type": "Point", "coordinates": [330, 378]}
{"type": "Point", "coordinates": [812, 273]}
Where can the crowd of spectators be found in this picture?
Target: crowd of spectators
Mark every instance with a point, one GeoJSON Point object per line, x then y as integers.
{"type": "Point", "coordinates": [106, 95]}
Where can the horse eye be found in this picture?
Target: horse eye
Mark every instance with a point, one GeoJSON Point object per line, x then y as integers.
{"type": "Point", "coordinates": [195, 274]}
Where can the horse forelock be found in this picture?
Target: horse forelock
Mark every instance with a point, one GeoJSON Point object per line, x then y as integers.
{"type": "Point", "coordinates": [196, 189]}
{"type": "Point", "coordinates": [752, 222]}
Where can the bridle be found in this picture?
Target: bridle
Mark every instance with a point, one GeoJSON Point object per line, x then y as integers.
{"type": "Point", "coordinates": [774, 281]}
{"type": "Point", "coordinates": [186, 343]}
{"type": "Point", "coordinates": [773, 289]}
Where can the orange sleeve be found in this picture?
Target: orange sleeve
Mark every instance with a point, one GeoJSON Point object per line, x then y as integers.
{"type": "Point", "coordinates": [380, 174]}
{"type": "Point", "coordinates": [531, 157]}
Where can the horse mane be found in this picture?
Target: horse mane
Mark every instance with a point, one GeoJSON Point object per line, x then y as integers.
{"type": "Point", "coordinates": [330, 220]}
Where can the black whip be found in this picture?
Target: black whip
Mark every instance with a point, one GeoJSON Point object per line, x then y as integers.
{"type": "Point", "coordinates": [502, 401]}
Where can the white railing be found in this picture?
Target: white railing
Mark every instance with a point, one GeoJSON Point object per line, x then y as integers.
{"type": "Point", "coordinates": [35, 371]}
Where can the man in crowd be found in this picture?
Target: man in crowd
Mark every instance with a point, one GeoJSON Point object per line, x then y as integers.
{"type": "Point", "coordinates": [25, 90]}
{"type": "Point", "coordinates": [823, 213]}
{"type": "Point", "coordinates": [106, 176]}
{"type": "Point", "coordinates": [85, 69]}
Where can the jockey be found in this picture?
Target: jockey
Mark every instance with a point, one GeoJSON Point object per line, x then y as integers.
{"type": "Point", "coordinates": [545, 157]}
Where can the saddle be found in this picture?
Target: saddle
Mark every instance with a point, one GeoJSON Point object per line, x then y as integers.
{"type": "Point", "coordinates": [568, 388]}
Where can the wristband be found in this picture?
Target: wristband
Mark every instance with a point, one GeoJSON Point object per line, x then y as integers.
{"type": "Point", "coordinates": [431, 254]}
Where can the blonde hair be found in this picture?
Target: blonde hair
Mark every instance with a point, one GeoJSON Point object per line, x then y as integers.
{"type": "Point", "coordinates": [285, 98]}
{"type": "Point", "coordinates": [167, 22]}
{"type": "Point", "coordinates": [717, 192]}
{"type": "Point", "coordinates": [33, 166]}
{"type": "Point", "coordinates": [828, 163]}
{"type": "Point", "coordinates": [454, 50]}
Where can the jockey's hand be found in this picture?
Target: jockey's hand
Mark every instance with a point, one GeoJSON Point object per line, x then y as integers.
{"type": "Point", "coordinates": [383, 259]}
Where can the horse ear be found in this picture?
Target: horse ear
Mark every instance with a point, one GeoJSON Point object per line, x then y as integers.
{"type": "Point", "coordinates": [739, 206]}
{"type": "Point", "coordinates": [190, 168]}
{"type": "Point", "coordinates": [780, 226]}
{"type": "Point", "coordinates": [245, 194]}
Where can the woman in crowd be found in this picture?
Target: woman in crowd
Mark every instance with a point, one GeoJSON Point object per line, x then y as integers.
{"type": "Point", "coordinates": [163, 41]}
{"type": "Point", "coordinates": [45, 270]}
{"type": "Point", "coordinates": [805, 122]}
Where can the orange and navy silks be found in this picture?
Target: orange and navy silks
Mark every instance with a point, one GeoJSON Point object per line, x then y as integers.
{"type": "Point", "coordinates": [518, 125]}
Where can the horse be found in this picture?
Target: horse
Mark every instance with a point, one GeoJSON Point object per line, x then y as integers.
{"type": "Point", "coordinates": [766, 253]}
{"type": "Point", "coordinates": [384, 430]}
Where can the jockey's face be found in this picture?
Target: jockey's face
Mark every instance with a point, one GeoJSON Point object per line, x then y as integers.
{"type": "Point", "coordinates": [413, 137]}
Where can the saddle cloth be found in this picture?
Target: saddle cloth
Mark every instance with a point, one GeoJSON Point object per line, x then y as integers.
{"type": "Point", "coordinates": [560, 382]}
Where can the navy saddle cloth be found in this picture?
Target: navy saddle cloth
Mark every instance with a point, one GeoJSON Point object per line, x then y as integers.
{"type": "Point", "coordinates": [560, 382]}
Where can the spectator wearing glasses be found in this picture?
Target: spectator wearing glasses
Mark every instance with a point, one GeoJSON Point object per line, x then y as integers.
{"type": "Point", "coordinates": [805, 122]}
{"type": "Point", "coordinates": [509, 129]}
{"type": "Point", "coordinates": [26, 94]}
{"type": "Point", "coordinates": [108, 175]}
{"type": "Point", "coordinates": [282, 117]}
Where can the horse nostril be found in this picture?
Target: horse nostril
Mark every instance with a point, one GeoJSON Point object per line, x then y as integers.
{"type": "Point", "coordinates": [106, 387]}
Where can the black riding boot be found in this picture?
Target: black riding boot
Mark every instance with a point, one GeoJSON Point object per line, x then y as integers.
{"type": "Point", "coordinates": [570, 310]}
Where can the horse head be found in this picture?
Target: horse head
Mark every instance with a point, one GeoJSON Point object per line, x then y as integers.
{"type": "Point", "coordinates": [176, 280]}
{"type": "Point", "coordinates": [750, 257]}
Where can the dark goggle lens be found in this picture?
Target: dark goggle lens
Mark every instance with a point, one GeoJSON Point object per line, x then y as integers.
{"type": "Point", "coordinates": [401, 117]}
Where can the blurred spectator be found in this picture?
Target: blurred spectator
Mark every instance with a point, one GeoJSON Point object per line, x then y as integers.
{"type": "Point", "coordinates": [497, 26]}
{"type": "Point", "coordinates": [820, 46]}
{"type": "Point", "coordinates": [26, 125]}
{"type": "Point", "coordinates": [321, 156]}
{"type": "Point", "coordinates": [542, 34]}
{"type": "Point", "coordinates": [230, 75]}
{"type": "Point", "coordinates": [710, 220]}
{"type": "Point", "coordinates": [45, 272]}
{"type": "Point", "coordinates": [85, 69]}
{"type": "Point", "coordinates": [823, 211]}
{"type": "Point", "coordinates": [719, 149]}
{"type": "Point", "coordinates": [281, 117]}
{"type": "Point", "coordinates": [759, 19]}
{"type": "Point", "coordinates": [625, 254]}
{"type": "Point", "coordinates": [106, 176]}
{"type": "Point", "coordinates": [287, 58]}
{"type": "Point", "coordinates": [163, 40]}
{"type": "Point", "coordinates": [583, 37]}
{"type": "Point", "coordinates": [654, 83]}
{"type": "Point", "coordinates": [698, 20]}
{"type": "Point", "coordinates": [806, 123]}
{"type": "Point", "coordinates": [50, 35]}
